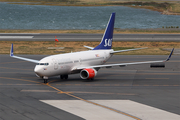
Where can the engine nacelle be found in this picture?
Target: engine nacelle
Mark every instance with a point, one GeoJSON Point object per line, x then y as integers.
{"type": "Point", "coordinates": [88, 73]}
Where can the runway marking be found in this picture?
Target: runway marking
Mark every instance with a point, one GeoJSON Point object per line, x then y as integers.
{"type": "Point", "coordinates": [15, 37]}
{"type": "Point", "coordinates": [69, 94]}
{"type": "Point", "coordinates": [93, 112]}
{"type": "Point", "coordinates": [37, 91]}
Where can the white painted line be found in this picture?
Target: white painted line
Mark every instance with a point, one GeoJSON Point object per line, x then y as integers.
{"type": "Point", "coordinates": [93, 112]}
{"type": "Point", "coordinates": [16, 37]}
{"type": "Point", "coordinates": [86, 110]}
{"type": "Point", "coordinates": [18, 33]}
{"type": "Point", "coordinates": [139, 110]}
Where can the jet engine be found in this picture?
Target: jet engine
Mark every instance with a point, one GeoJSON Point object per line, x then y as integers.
{"type": "Point", "coordinates": [88, 73]}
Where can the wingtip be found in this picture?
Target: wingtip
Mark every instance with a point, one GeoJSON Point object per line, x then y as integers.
{"type": "Point", "coordinates": [170, 55]}
{"type": "Point", "coordinates": [11, 52]}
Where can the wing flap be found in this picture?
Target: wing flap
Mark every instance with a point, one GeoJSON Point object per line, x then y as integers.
{"type": "Point", "coordinates": [127, 50]}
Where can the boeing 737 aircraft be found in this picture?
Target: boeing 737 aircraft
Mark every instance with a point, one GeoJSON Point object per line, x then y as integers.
{"type": "Point", "coordinates": [87, 63]}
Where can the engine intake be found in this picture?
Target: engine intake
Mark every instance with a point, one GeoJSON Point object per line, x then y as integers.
{"type": "Point", "coordinates": [88, 73]}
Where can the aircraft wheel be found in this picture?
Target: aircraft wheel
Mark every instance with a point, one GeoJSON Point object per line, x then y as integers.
{"type": "Point", "coordinates": [66, 76]}
{"type": "Point", "coordinates": [90, 79]}
{"type": "Point", "coordinates": [45, 80]}
{"type": "Point", "coordinates": [61, 76]}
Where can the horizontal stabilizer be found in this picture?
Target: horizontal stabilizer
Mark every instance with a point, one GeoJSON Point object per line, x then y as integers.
{"type": "Point", "coordinates": [88, 47]}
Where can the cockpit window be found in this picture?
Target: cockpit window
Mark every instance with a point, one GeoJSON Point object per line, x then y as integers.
{"type": "Point", "coordinates": [46, 63]}
{"type": "Point", "coordinates": [42, 64]}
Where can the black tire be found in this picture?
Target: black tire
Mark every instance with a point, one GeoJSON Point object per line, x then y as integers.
{"type": "Point", "coordinates": [65, 76]}
{"type": "Point", "coordinates": [61, 76]}
{"type": "Point", "coordinates": [45, 81]}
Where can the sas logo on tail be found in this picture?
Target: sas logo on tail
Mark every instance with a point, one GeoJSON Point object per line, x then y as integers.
{"type": "Point", "coordinates": [108, 42]}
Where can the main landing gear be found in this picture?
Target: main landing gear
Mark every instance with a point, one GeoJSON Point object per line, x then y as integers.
{"type": "Point", "coordinates": [64, 76]}
{"type": "Point", "coordinates": [45, 79]}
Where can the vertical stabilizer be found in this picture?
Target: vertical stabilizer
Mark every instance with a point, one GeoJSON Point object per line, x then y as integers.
{"type": "Point", "coordinates": [106, 42]}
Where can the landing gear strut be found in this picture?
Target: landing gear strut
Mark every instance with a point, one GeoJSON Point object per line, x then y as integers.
{"type": "Point", "coordinates": [45, 79]}
{"type": "Point", "coordinates": [64, 76]}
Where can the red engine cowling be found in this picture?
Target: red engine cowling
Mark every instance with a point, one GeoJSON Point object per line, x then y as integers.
{"type": "Point", "coordinates": [88, 73]}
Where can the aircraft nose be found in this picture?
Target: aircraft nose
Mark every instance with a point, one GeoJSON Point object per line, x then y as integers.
{"type": "Point", "coordinates": [37, 70]}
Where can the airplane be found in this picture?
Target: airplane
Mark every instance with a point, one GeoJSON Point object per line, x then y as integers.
{"type": "Point", "coordinates": [87, 63]}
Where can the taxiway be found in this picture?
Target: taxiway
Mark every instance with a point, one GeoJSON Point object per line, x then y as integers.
{"type": "Point", "coordinates": [146, 93]}
{"type": "Point", "coordinates": [88, 37]}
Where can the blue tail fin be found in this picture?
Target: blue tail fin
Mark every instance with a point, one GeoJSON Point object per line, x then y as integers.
{"type": "Point", "coordinates": [106, 42]}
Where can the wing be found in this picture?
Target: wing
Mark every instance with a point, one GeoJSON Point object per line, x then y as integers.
{"type": "Point", "coordinates": [127, 50]}
{"type": "Point", "coordinates": [26, 59]}
{"type": "Point", "coordinates": [88, 47]}
{"type": "Point", "coordinates": [125, 64]}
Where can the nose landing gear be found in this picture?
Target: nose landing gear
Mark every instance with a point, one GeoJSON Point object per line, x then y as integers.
{"type": "Point", "coordinates": [45, 79]}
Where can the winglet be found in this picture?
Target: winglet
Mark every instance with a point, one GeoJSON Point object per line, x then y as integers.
{"type": "Point", "coordinates": [11, 52]}
{"type": "Point", "coordinates": [170, 55]}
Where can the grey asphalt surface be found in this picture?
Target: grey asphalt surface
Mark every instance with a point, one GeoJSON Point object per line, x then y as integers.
{"type": "Point", "coordinates": [89, 37]}
{"type": "Point", "coordinates": [21, 90]}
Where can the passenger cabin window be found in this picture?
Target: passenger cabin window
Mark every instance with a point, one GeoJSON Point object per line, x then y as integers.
{"type": "Point", "coordinates": [76, 61]}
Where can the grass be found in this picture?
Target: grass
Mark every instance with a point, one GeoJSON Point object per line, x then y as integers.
{"type": "Point", "coordinates": [175, 8]}
{"type": "Point", "coordinates": [34, 47]}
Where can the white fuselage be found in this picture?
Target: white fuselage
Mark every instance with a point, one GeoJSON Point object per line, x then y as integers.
{"type": "Point", "coordinates": [63, 64]}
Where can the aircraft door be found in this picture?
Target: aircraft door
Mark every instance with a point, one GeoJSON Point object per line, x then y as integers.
{"type": "Point", "coordinates": [80, 61]}
{"type": "Point", "coordinates": [55, 64]}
